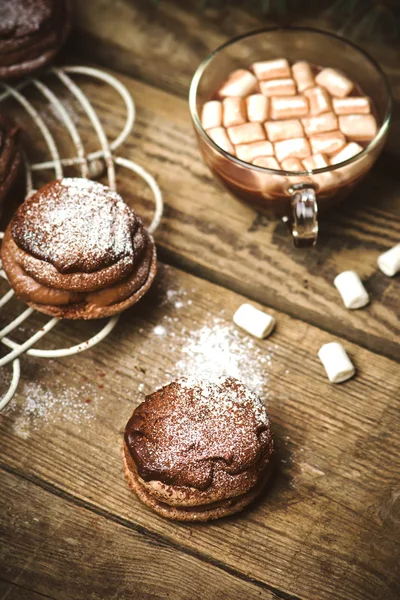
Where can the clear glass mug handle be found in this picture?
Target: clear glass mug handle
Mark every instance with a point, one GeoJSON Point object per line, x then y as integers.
{"type": "Point", "coordinates": [303, 220]}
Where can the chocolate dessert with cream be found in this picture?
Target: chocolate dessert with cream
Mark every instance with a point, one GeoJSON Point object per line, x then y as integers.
{"type": "Point", "coordinates": [197, 450]}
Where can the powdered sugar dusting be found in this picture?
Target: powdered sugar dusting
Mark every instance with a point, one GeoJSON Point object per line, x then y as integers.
{"type": "Point", "coordinates": [221, 349]}
{"type": "Point", "coordinates": [41, 405]}
{"type": "Point", "coordinates": [76, 225]}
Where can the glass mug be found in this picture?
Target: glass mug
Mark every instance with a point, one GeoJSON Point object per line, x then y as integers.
{"type": "Point", "coordinates": [295, 196]}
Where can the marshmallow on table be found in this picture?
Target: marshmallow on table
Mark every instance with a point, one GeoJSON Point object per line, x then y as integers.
{"type": "Point", "coordinates": [211, 114]}
{"type": "Point", "coordinates": [246, 133]}
{"type": "Point", "coordinates": [295, 148]}
{"type": "Point", "coordinates": [248, 152]}
{"type": "Point", "coordinates": [239, 83]}
{"type": "Point", "coordinates": [288, 107]}
{"type": "Point", "coordinates": [337, 364]}
{"type": "Point", "coordinates": [316, 161]}
{"type": "Point", "coordinates": [347, 152]}
{"type": "Point", "coordinates": [257, 107]}
{"type": "Point", "coordinates": [329, 142]}
{"type": "Point", "coordinates": [352, 105]}
{"type": "Point", "coordinates": [278, 87]}
{"type": "Point", "coordinates": [272, 69]}
{"type": "Point", "coordinates": [336, 83]}
{"type": "Point", "coordinates": [361, 128]}
{"type": "Point", "coordinates": [254, 321]}
{"type": "Point", "coordinates": [234, 111]}
{"type": "Point", "coordinates": [283, 130]}
{"type": "Point", "coordinates": [268, 162]}
{"type": "Point", "coordinates": [220, 137]}
{"type": "Point", "coordinates": [389, 261]}
{"type": "Point", "coordinates": [303, 75]}
{"type": "Point", "coordinates": [319, 100]}
{"type": "Point", "coordinates": [320, 123]}
{"type": "Point", "coordinates": [350, 287]}
{"type": "Point", "coordinates": [292, 164]}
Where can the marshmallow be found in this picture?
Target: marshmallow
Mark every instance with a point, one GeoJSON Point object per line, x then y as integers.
{"type": "Point", "coordinates": [288, 107]}
{"type": "Point", "coordinates": [303, 75]}
{"type": "Point", "coordinates": [352, 105]}
{"type": "Point", "coordinates": [361, 128]}
{"type": "Point", "coordinates": [248, 152]}
{"type": "Point", "coordinates": [295, 148]}
{"type": "Point", "coordinates": [220, 137]}
{"type": "Point", "coordinates": [316, 161]}
{"type": "Point", "coordinates": [257, 107]}
{"type": "Point", "coordinates": [326, 122]}
{"type": "Point", "coordinates": [327, 143]}
{"type": "Point", "coordinates": [347, 152]}
{"type": "Point", "coordinates": [389, 262]}
{"type": "Point", "coordinates": [272, 69]}
{"type": "Point", "coordinates": [278, 87]}
{"type": "Point", "coordinates": [234, 111]}
{"type": "Point", "coordinates": [350, 287]}
{"type": "Point", "coordinates": [336, 83]}
{"type": "Point", "coordinates": [268, 162]}
{"type": "Point", "coordinates": [246, 133]}
{"type": "Point", "coordinates": [319, 100]}
{"type": "Point", "coordinates": [323, 181]}
{"type": "Point", "coordinates": [254, 321]}
{"type": "Point", "coordinates": [283, 130]}
{"type": "Point", "coordinates": [337, 364]}
{"type": "Point", "coordinates": [292, 164]}
{"type": "Point", "coordinates": [239, 83]}
{"type": "Point", "coordinates": [211, 115]}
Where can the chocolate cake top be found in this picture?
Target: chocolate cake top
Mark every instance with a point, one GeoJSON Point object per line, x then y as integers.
{"type": "Point", "coordinates": [78, 225]}
{"type": "Point", "coordinates": [23, 17]}
{"type": "Point", "coordinates": [181, 432]}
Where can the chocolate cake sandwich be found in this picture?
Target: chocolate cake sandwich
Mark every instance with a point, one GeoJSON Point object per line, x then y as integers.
{"type": "Point", "coordinates": [31, 34]}
{"type": "Point", "coordinates": [198, 450]}
{"type": "Point", "coordinates": [10, 156]}
{"type": "Point", "coordinates": [75, 250]}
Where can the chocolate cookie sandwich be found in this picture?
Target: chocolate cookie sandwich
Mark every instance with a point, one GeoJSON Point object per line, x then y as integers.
{"type": "Point", "coordinates": [198, 450]}
{"type": "Point", "coordinates": [10, 156]}
{"type": "Point", "coordinates": [31, 34]}
{"type": "Point", "coordinates": [75, 250]}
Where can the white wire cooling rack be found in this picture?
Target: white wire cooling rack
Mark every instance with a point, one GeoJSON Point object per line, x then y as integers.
{"type": "Point", "coordinates": [89, 164]}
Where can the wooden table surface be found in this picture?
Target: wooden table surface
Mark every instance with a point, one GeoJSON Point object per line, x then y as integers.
{"type": "Point", "coordinates": [329, 524]}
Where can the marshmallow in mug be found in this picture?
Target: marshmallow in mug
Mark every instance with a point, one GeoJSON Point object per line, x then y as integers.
{"type": "Point", "coordinates": [234, 111]}
{"type": "Point", "coordinates": [239, 83]}
{"type": "Point", "coordinates": [248, 152]}
{"type": "Point", "coordinates": [336, 83]}
{"type": "Point", "coordinates": [278, 87]}
{"type": "Point", "coordinates": [303, 75]}
{"type": "Point", "coordinates": [283, 130]}
{"type": "Point", "coordinates": [257, 106]}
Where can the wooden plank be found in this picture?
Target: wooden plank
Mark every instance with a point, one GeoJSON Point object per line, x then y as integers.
{"type": "Point", "coordinates": [148, 32]}
{"type": "Point", "coordinates": [63, 551]}
{"type": "Point", "coordinates": [11, 591]}
{"type": "Point", "coordinates": [327, 527]}
{"type": "Point", "coordinates": [208, 232]}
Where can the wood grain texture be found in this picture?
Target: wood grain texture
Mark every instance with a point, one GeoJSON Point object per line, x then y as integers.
{"type": "Point", "coordinates": [11, 591]}
{"type": "Point", "coordinates": [207, 231]}
{"type": "Point", "coordinates": [328, 525]}
{"type": "Point", "coordinates": [148, 32]}
{"type": "Point", "coordinates": [67, 552]}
